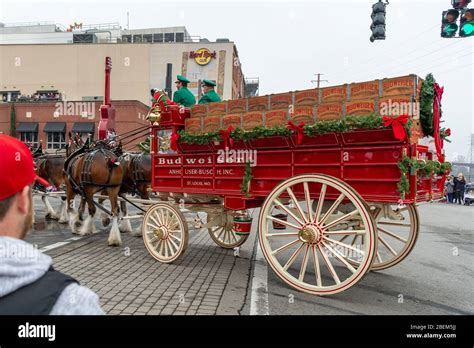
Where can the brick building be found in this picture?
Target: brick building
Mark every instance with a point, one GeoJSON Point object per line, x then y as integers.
{"type": "Point", "coordinates": [50, 121]}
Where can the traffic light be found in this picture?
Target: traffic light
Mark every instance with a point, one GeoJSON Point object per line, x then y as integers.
{"type": "Point", "coordinates": [378, 21]}
{"type": "Point", "coordinates": [459, 4]}
{"type": "Point", "coordinates": [467, 23]}
{"type": "Point", "coordinates": [449, 25]}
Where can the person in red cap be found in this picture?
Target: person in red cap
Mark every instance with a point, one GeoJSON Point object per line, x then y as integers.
{"type": "Point", "coordinates": [28, 283]}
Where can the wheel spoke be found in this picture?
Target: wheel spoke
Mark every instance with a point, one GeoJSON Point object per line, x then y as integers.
{"type": "Point", "coordinates": [286, 223]}
{"type": "Point", "coordinates": [174, 244]}
{"type": "Point", "coordinates": [346, 232]}
{"type": "Point", "coordinates": [384, 242]}
{"type": "Point", "coordinates": [393, 223]}
{"type": "Point", "coordinates": [345, 245]}
{"type": "Point", "coordinates": [308, 200]}
{"type": "Point", "coordinates": [379, 258]}
{"type": "Point", "coordinates": [220, 234]}
{"type": "Point", "coordinates": [304, 264]}
{"type": "Point", "coordinates": [333, 207]}
{"type": "Point", "coordinates": [158, 223]}
{"type": "Point", "coordinates": [340, 257]}
{"type": "Point", "coordinates": [298, 207]}
{"type": "Point", "coordinates": [317, 270]}
{"type": "Point", "coordinates": [174, 237]}
{"type": "Point", "coordinates": [232, 234]}
{"type": "Point", "coordinates": [284, 247]}
{"type": "Point", "coordinates": [342, 218]}
{"type": "Point", "coordinates": [165, 242]}
{"type": "Point", "coordinates": [319, 207]}
{"type": "Point", "coordinates": [289, 212]}
{"type": "Point", "coordinates": [293, 257]}
{"type": "Point", "coordinates": [393, 235]}
{"type": "Point", "coordinates": [354, 239]}
{"type": "Point", "coordinates": [285, 234]}
{"type": "Point", "coordinates": [329, 266]}
{"type": "Point", "coordinates": [152, 225]}
{"type": "Point", "coordinates": [159, 245]}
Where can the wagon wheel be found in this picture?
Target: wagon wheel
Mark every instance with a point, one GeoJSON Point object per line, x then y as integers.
{"type": "Point", "coordinates": [307, 255]}
{"type": "Point", "coordinates": [397, 233]}
{"type": "Point", "coordinates": [165, 232]}
{"type": "Point", "coordinates": [398, 230]}
{"type": "Point", "coordinates": [223, 233]}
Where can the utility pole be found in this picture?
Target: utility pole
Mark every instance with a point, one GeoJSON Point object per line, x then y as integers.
{"type": "Point", "coordinates": [318, 81]}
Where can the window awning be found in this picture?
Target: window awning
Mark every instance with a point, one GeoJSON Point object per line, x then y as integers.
{"type": "Point", "coordinates": [52, 127]}
{"type": "Point", "coordinates": [27, 127]}
{"type": "Point", "coordinates": [83, 127]}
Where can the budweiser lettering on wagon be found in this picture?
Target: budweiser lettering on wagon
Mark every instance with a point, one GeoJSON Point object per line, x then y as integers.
{"type": "Point", "coordinates": [227, 156]}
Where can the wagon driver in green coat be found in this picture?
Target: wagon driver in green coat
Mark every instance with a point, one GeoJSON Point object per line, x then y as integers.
{"type": "Point", "coordinates": [183, 95]}
{"type": "Point", "coordinates": [210, 96]}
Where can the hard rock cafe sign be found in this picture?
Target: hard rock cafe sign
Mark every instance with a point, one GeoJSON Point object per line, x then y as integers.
{"type": "Point", "coordinates": [202, 56]}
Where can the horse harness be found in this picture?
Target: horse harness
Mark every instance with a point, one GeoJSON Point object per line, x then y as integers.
{"type": "Point", "coordinates": [86, 172]}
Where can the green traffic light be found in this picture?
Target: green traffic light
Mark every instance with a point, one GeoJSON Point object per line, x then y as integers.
{"type": "Point", "coordinates": [450, 29]}
{"type": "Point", "coordinates": [467, 29]}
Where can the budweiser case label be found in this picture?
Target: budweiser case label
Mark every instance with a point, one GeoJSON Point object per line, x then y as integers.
{"type": "Point", "coordinates": [193, 125]}
{"type": "Point", "coordinates": [276, 118]}
{"type": "Point", "coordinates": [258, 103]}
{"type": "Point", "coordinates": [232, 120]}
{"type": "Point", "coordinates": [217, 109]}
{"type": "Point", "coordinates": [364, 90]}
{"type": "Point", "coordinates": [252, 120]}
{"type": "Point", "coordinates": [303, 114]}
{"type": "Point", "coordinates": [211, 123]}
{"type": "Point", "coordinates": [237, 105]}
{"type": "Point", "coordinates": [362, 107]}
{"type": "Point", "coordinates": [199, 110]}
{"type": "Point", "coordinates": [329, 112]}
{"type": "Point", "coordinates": [310, 96]}
{"type": "Point", "coordinates": [279, 101]}
{"type": "Point", "coordinates": [330, 94]}
{"type": "Point", "coordinates": [398, 86]}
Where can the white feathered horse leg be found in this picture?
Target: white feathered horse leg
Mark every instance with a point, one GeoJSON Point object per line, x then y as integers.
{"type": "Point", "coordinates": [50, 213]}
{"type": "Point", "coordinates": [125, 225]}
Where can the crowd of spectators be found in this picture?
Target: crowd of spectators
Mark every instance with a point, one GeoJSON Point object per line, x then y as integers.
{"type": "Point", "coordinates": [38, 96]}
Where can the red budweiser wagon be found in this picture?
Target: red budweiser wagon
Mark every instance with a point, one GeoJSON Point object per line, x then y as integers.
{"type": "Point", "coordinates": [335, 197]}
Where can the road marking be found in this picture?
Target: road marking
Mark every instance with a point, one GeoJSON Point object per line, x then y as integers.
{"type": "Point", "coordinates": [59, 244]}
{"type": "Point", "coordinates": [259, 294]}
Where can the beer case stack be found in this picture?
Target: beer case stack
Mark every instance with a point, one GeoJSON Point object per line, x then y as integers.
{"type": "Point", "coordinates": [308, 106]}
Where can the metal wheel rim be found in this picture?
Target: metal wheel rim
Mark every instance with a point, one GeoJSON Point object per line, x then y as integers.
{"type": "Point", "coordinates": [386, 240]}
{"type": "Point", "coordinates": [311, 248]}
{"type": "Point", "coordinates": [225, 236]}
{"type": "Point", "coordinates": [165, 232]}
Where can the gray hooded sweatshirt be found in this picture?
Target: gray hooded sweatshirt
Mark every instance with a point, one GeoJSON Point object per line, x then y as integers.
{"type": "Point", "coordinates": [22, 264]}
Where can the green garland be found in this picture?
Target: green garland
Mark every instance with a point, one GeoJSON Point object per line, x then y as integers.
{"type": "Point", "coordinates": [244, 188]}
{"type": "Point", "coordinates": [347, 124]}
{"type": "Point", "coordinates": [422, 168]}
{"type": "Point", "coordinates": [426, 105]}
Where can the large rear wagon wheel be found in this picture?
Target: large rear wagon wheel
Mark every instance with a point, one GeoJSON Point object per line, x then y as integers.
{"type": "Point", "coordinates": [165, 232]}
{"type": "Point", "coordinates": [307, 255]}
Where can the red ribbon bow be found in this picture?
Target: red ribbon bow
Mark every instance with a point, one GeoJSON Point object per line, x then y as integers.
{"type": "Point", "coordinates": [225, 136]}
{"type": "Point", "coordinates": [448, 132]}
{"type": "Point", "coordinates": [436, 121]}
{"type": "Point", "coordinates": [298, 130]}
{"type": "Point", "coordinates": [397, 125]}
{"type": "Point", "coordinates": [174, 140]}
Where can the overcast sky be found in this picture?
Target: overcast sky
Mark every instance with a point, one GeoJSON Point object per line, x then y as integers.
{"type": "Point", "coordinates": [285, 42]}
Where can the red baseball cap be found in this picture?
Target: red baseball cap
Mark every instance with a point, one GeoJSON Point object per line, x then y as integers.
{"type": "Point", "coordinates": [17, 168]}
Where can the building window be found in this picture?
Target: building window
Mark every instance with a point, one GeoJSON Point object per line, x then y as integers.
{"type": "Point", "coordinates": [56, 140]}
{"type": "Point", "coordinates": [147, 38]}
{"type": "Point", "coordinates": [127, 38]}
{"type": "Point", "coordinates": [30, 138]}
{"type": "Point", "coordinates": [137, 38]}
{"type": "Point", "coordinates": [179, 37]}
{"type": "Point", "coordinates": [169, 37]}
{"type": "Point", "coordinates": [158, 37]}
